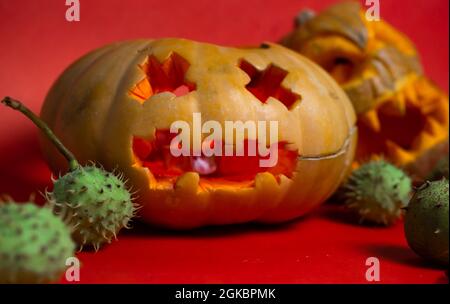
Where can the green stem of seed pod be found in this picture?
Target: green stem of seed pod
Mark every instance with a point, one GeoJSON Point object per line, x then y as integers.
{"type": "Point", "coordinates": [17, 105]}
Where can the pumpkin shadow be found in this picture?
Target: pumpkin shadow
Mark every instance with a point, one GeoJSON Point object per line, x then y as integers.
{"type": "Point", "coordinates": [340, 214]}
{"type": "Point", "coordinates": [23, 170]}
{"type": "Point", "coordinates": [142, 229]}
{"type": "Point", "coordinates": [399, 255]}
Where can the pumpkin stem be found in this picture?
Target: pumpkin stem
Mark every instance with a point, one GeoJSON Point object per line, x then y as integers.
{"type": "Point", "coordinates": [17, 105]}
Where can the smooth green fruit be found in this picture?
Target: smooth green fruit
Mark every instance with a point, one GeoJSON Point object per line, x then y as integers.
{"type": "Point", "coordinates": [95, 202]}
{"type": "Point", "coordinates": [377, 191]}
{"type": "Point", "coordinates": [426, 222]}
{"type": "Point", "coordinates": [34, 244]}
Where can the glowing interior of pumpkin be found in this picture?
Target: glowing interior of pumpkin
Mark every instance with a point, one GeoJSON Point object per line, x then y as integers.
{"type": "Point", "coordinates": [405, 124]}
{"type": "Point", "coordinates": [156, 156]}
{"type": "Point", "coordinates": [169, 76]}
{"type": "Point", "coordinates": [267, 83]}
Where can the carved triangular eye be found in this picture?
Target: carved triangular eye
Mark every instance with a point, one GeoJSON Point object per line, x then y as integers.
{"type": "Point", "coordinates": [168, 76]}
{"type": "Point", "coordinates": [267, 83]}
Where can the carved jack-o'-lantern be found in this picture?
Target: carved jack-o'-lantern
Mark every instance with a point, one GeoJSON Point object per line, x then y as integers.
{"type": "Point", "coordinates": [402, 115]}
{"type": "Point", "coordinates": [116, 106]}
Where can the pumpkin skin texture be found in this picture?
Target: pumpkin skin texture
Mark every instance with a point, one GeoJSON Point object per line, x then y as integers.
{"type": "Point", "coordinates": [111, 96]}
{"type": "Point", "coordinates": [402, 115]}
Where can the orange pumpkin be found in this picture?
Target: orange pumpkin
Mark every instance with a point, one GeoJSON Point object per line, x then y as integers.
{"type": "Point", "coordinates": [402, 115]}
{"type": "Point", "coordinates": [116, 104]}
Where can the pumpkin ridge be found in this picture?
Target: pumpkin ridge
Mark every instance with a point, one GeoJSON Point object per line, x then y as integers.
{"type": "Point", "coordinates": [342, 150]}
{"type": "Point", "coordinates": [51, 118]}
{"type": "Point", "coordinates": [60, 102]}
{"type": "Point", "coordinates": [90, 101]}
{"type": "Point", "coordinates": [64, 104]}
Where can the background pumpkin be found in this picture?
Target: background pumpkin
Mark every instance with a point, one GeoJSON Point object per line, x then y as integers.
{"type": "Point", "coordinates": [402, 115]}
{"type": "Point", "coordinates": [117, 101]}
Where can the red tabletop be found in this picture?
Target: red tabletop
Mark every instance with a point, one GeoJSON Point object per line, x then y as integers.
{"type": "Point", "coordinates": [324, 247]}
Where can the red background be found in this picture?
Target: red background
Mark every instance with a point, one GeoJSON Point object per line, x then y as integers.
{"type": "Point", "coordinates": [37, 43]}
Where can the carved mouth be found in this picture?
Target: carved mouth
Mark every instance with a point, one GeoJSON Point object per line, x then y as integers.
{"type": "Point", "coordinates": [156, 156]}
{"type": "Point", "coordinates": [404, 125]}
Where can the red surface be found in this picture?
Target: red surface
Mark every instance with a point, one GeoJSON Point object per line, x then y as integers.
{"type": "Point", "coordinates": [322, 248]}
{"type": "Point", "coordinates": [37, 44]}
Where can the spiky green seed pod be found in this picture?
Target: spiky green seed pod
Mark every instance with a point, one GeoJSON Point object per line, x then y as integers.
{"type": "Point", "coordinates": [97, 204]}
{"type": "Point", "coordinates": [426, 222]}
{"type": "Point", "coordinates": [34, 244]}
{"type": "Point", "coordinates": [377, 191]}
{"type": "Point", "coordinates": [440, 170]}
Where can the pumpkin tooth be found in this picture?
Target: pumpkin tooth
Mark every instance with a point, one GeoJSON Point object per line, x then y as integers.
{"type": "Point", "coordinates": [411, 95]}
{"type": "Point", "coordinates": [423, 141]}
{"type": "Point", "coordinates": [397, 153]}
{"type": "Point", "coordinates": [266, 180]}
{"type": "Point", "coordinates": [428, 107]}
{"type": "Point", "coordinates": [188, 182]}
{"type": "Point", "coordinates": [432, 126]}
{"type": "Point", "coordinates": [371, 120]}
